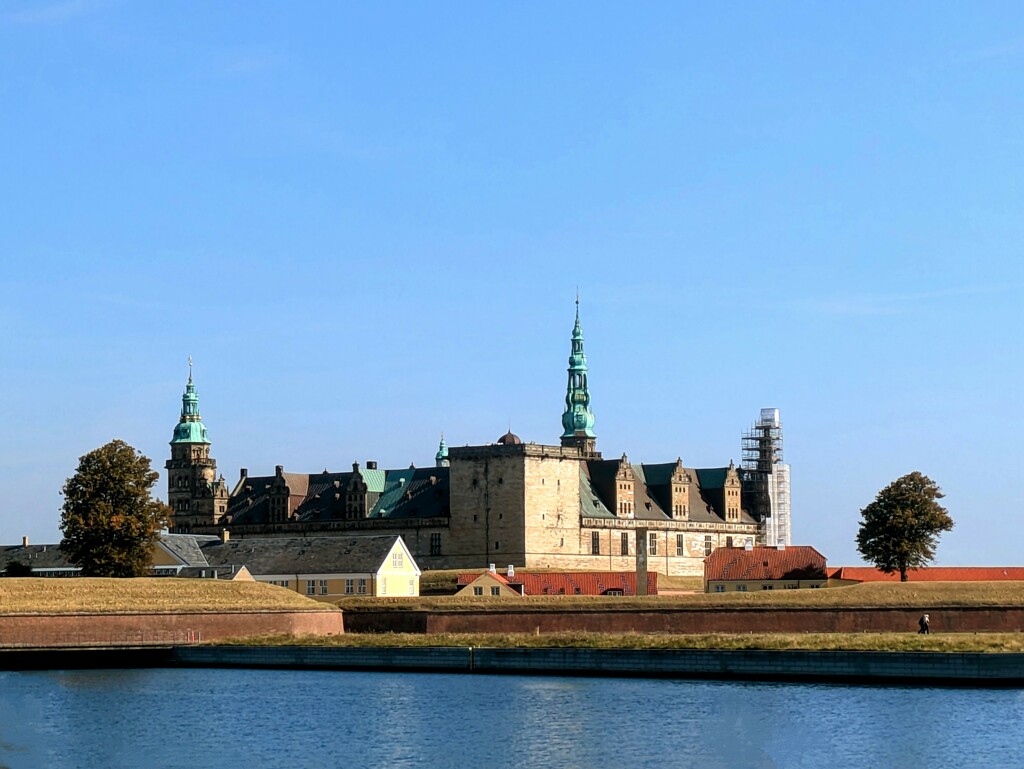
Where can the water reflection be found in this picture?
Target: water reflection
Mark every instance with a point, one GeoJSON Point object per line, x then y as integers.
{"type": "Point", "coordinates": [241, 718]}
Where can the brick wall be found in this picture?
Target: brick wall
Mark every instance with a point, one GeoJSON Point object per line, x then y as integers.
{"type": "Point", "coordinates": [158, 628]}
{"type": "Point", "coordinates": [959, 620]}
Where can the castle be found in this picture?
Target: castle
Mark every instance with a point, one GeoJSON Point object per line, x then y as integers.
{"type": "Point", "coordinates": [509, 502]}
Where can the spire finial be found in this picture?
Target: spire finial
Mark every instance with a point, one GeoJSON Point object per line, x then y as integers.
{"type": "Point", "coordinates": [190, 369]}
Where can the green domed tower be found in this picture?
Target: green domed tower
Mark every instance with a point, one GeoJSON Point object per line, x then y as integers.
{"type": "Point", "coordinates": [578, 419]}
{"type": "Point", "coordinates": [195, 493]}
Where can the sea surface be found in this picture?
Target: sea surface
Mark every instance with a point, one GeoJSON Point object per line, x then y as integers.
{"type": "Point", "coordinates": [224, 719]}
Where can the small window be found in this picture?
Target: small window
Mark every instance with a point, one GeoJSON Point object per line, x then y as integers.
{"type": "Point", "coordinates": [323, 587]}
{"type": "Point", "coordinates": [350, 586]}
{"type": "Point", "coordinates": [495, 590]}
{"type": "Point", "coordinates": [362, 586]}
{"type": "Point", "coordinates": [396, 560]}
{"type": "Point", "coordinates": [680, 544]}
{"type": "Point", "coordinates": [741, 588]}
{"type": "Point", "coordinates": [595, 543]}
{"type": "Point", "coordinates": [383, 585]}
{"type": "Point", "coordinates": [435, 543]}
{"type": "Point", "coordinates": [652, 546]}
{"type": "Point", "coordinates": [767, 587]}
{"type": "Point", "coordinates": [310, 587]}
{"type": "Point", "coordinates": [624, 544]}
{"type": "Point", "coordinates": [708, 544]}
{"type": "Point", "coordinates": [478, 590]}
{"type": "Point", "coordinates": [719, 588]}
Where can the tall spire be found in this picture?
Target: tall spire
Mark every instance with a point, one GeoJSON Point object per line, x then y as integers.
{"type": "Point", "coordinates": [441, 458]}
{"type": "Point", "coordinates": [577, 419]}
{"type": "Point", "coordinates": [190, 428]}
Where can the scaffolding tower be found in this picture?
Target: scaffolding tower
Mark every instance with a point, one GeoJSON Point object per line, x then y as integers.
{"type": "Point", "coordinates": [766, 477]}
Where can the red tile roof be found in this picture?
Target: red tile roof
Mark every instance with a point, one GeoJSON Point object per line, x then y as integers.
{"type": "Point", "coordinates": [931, 574]}
{"type": "Point", "coordinates": [573, 582]}
{"type": "Point", "coordinates": [764, 563]}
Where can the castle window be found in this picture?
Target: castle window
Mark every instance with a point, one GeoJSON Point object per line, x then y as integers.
{"type": "Point", "coordinates": [435, 543]}
{"type": "Point", "coordinates": [652, 546]}
{"type": "Point", "coordinates": [728, 541]}
{"type": "Point", "coordinates": [680, 544]}
{"type": "Point", "coordinates": [707, 544]}
{"type": "Point", "coordinates": [595, 543]}
{"type": "Point", "coordinates": [624, 543]}
{"type": "Point", "coordinates": [496, 545]}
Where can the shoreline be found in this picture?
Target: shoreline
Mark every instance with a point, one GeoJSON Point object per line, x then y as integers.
{"type": "Point", "coordinates": [967, 669]}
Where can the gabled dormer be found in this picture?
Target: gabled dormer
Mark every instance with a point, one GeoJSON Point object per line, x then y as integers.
{"type": "Point", "coordinates": [356, 494]}
{"type": "Point", "coordinates": [679, 492]}
{"type": "Point", "coordinates": [733, 488]}
{"type": "Point", "coordinates": [279, 497]}
{"type": "Point", "coordinates": [625, 489]}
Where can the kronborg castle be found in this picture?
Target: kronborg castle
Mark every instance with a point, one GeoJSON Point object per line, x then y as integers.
{"type": "Point", "coordinates": [510, 502]}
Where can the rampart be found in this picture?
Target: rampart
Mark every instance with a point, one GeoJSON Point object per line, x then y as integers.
{"type": "Point", "coordinates": [159, 628]}
{"type": "Point", "coordinates": [961, 619]}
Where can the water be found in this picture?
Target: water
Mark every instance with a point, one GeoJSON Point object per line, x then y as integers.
{"type": "Point", "coordinates": [264, 718]}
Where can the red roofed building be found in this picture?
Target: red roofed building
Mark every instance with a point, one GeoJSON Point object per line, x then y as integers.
{"type": "Point", "coordinates": [554, 583]}
{"type": "Point", "coordinates": [737, 569]}
{"type": "Point", "coordinates": [850, 575]}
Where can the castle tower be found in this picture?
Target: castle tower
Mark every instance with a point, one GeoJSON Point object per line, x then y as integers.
{"type": "Point", "coordinates": [578, 420]}
{"type": "Point", "coordinates": [766, 477]}
{"type": "Point", "coordinates": [194, 492]}
{"type": "Point", "coordinates": [441, 457]}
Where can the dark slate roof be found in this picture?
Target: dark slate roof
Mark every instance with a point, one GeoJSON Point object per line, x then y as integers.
{"type": "Point", "coordinates": [185, 547]}
{"type": "Point", "coordinates": [37, 556]}
{"type": "Point", "coordinates": [313, 555]}
{"type": "Point", "coordinates": [591, 505]}
{"type": "Point", "coordinates": [645, 505]}
{"type": "Point", "coordinates": [409, 493]}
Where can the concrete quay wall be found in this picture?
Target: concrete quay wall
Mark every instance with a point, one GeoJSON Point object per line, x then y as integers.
{"type": "Point", "coordinates": [838, 666]}
{"type": "Point", "coordinates": [747, 620]}
{"type": "Point", "coordinates": [159, 628]}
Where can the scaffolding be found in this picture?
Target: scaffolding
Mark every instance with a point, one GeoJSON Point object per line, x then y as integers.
{"type": "Point", "coordinates": [766, 477]}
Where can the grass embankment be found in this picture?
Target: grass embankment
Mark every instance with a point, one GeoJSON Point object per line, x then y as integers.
{"type": "Point", "coordinates": [100, 596]}
{"type": "Point", "coordinates": [916, 595]}
{"type": "Point", "coordinates": [911, 642]}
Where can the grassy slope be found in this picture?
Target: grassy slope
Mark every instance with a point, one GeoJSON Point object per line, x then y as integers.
{"type": "Point", "coordinates": [83, 594]}
{"type": "Point", "coordinates": [877, 595]}
{"type": "Point", "coordinates": [946, 642]}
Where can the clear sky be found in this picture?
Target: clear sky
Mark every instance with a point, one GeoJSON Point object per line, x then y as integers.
{"type": "Point", "coordinates": [367, 223]}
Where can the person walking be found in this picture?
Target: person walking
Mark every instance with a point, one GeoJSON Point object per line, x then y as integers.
{"type": "Point", "coordinates": [923, 625]}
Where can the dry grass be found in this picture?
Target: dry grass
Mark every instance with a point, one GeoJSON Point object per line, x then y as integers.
{"type": "Point", "coordinates": [946, 642]}
{"type": "Point", "coordinates": [91, 595]}
{"type": "Point", "coordinates": [915, 595]}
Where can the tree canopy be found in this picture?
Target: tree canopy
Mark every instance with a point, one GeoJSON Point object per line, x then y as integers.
{"type": "Point", "coordinates": [900, 529]}
{"type": "Point", "coordinates": [110, 521]}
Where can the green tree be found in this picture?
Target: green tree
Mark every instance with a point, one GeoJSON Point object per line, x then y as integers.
{"type": "Point", "coordinates": [17, 569]}
{"type": "Point", "coordinates": [110, 521]}
{"type": "Point", "coordinates": [900, 529]}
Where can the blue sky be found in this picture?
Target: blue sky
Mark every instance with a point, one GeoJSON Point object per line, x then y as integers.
{"type": "Point", "coordinates": [367, 223]}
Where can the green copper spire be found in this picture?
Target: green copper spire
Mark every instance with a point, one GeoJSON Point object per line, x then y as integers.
{"type": "Point", "coordinates": [190, 427]}
{"type": "Point", "coordinates": [578, 420]}
{"type": "Point", "coordinates": [441, 458]}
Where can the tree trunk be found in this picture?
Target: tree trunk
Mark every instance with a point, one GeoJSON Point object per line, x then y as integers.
{"type": "Point", "coordinates": [903, 574]}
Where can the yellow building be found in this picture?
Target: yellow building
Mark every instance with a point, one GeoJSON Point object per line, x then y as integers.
{"type": "Point", "coordinates": [753, 569]}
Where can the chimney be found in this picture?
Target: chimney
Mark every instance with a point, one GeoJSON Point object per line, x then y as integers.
{"type": "Point", "coordinates": [279, 470]}
{"type": "Point", "coordinates": [24, 541]}
{"type": "Point", "coordinates": [492, 568]}
{"type": "Point", "coordinates": [371, 464]}
{"type": "Point", "coordinates": [511, 571]}
{"type": "Point", "coordinates": [244, 474]}
{"type": "Point", "coordinates": [781, 546]}
{"type": "Point", "coordinates": [748, 545]}
{"type": "Point", "coordinates": [225, 535]}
